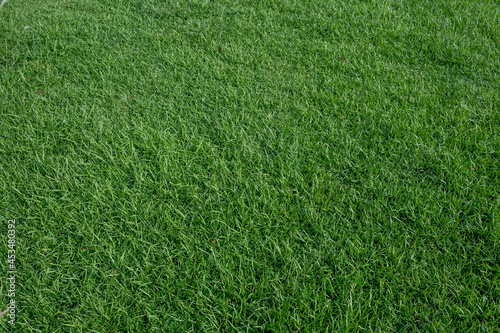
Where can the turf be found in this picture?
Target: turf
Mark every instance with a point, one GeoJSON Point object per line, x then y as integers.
{"type": "Point", "coordinates": [251, 166]}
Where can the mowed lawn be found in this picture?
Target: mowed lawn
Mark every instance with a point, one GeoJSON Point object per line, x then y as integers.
{"type": "Point", "coordinates": [251, 166]}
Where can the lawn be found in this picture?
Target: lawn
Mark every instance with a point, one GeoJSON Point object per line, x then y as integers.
{"type": "Point", "coordinates": [250, 166]}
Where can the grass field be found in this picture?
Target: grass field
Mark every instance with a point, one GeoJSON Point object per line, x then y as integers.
{"type": "Point", "coordinates": [251, 166]}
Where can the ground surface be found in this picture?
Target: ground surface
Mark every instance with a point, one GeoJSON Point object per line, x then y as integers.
{"type": "Point", "coordinates": [210, 166]}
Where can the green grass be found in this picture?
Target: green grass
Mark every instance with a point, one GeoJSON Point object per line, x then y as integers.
{"type": "Point", "coordinates": [251, 166]}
